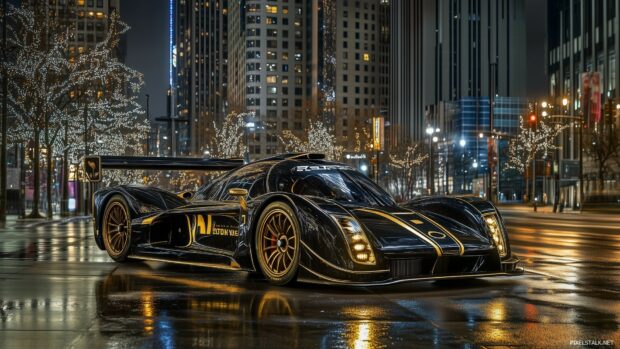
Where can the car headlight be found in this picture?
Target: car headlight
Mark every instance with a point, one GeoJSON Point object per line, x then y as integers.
{"type": "Point", "coordinates": [496, 233]}
{"type": "Point", "coordinates": [357, 242]}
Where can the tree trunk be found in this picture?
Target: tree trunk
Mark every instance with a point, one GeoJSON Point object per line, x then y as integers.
{"type": "Point", "coordinates": [49, 180]}
{"type": "Point", "coordinates": [527, 184]}
{"type": "Point", "coordinates": [64, 205]}
{"type": "Point", "coordinates": [37, 176]}
{"type": "Point", "coordinates": [601, 179]}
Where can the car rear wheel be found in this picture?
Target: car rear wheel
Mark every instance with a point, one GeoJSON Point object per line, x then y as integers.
{"type": "Point", "coordinates": [117, 229]}
{"type": "Point", "coordinates": [277, 243]}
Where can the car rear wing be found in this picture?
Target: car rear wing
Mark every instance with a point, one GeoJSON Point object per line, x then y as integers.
{"type": "Point", "coordinates": [94, 165]}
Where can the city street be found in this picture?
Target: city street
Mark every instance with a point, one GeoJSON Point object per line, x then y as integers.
{"type": "Point", "coordinates": [58, 289]}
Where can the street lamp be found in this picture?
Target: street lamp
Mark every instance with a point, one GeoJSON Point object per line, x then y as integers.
{"type": "Point", "coordinates": [431, 178]}
{"type": "Point", "coordinates": [462, 143]}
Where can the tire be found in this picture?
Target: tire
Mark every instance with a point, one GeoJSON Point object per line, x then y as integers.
{"type": "Point", "coordinates": [277, 243]}
{"type": "Point", "coordinates": [116, 228]}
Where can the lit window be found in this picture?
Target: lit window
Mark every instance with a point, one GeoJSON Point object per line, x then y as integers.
{"type": "Point", "coordinates": [272, 90]}
{"type": "Point", "coordinates": [272, 79]}
{"type": "Point", "coordinates": [271, 9]}
{"type": "Point", "coordinates": [366, 57]}
{"type": "Point", "coordinates": [80, 2]}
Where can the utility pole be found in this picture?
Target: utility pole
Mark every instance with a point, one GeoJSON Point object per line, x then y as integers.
{"type": "Point", "coordinates": [3, 150]}
{"type": "Point", "coordinates": [148, 133]}
{"type": "Point", "coordinates": [491, 185]}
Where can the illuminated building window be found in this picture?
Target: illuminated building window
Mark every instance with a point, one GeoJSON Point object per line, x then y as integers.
{"type": "Point", "coordinates": [80, 2]}
{"type": "Point", "coordinates": [366, 57]}
{"type": "Point", "coordinates": [284, 9]}
{"type": "Point", "coordinates": [272, 79]}
{"type": "Point", "coordinates": [271, 9]}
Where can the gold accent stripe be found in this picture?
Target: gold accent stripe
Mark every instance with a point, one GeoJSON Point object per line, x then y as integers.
{"type": "Point", "coordinates": [445, 230]}
{"type": "Point", "coordinates": [406, 226]}
{"type": "Point", "coordinates": [189, 231]}
{"type": "Point", "coordinates": [149, 220]}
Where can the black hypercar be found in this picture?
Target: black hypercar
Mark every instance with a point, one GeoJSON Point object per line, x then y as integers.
{"type": "Point", "coordinates": [299, 217]}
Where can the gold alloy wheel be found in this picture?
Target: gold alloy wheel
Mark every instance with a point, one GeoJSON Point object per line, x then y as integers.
{"type": "Point", "coordinates": [116, 229]}
{"type": "Point", "coordinates": [278, 244]}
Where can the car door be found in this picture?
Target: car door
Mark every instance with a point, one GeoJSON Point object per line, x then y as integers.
{"type": "Point", "coordinates": [218, 226]}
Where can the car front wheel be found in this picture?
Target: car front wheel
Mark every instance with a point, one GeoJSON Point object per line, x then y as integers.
{"type": "Point", "coordinates": [277, 243]}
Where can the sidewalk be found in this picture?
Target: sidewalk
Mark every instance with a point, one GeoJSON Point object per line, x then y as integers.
{"type": "Point", "coordinates": [530, 208]}
{"type": "Point", "coordinates": [13, 221]}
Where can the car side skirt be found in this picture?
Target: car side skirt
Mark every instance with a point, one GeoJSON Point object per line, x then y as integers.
{"type": "Point", "coordinates": [317, 278]}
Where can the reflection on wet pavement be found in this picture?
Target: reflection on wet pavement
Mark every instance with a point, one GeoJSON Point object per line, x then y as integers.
{"type": "Point", "coordinates": [58, 289]}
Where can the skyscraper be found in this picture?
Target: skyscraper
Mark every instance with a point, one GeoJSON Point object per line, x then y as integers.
{"type": "Point", "coordinates": [583, 37]}
{"type": "Point", "coordinates": [583, 42]}
{"type": "Point", "coordinates": [89, 19]}
{"type": "Point", "coordinates": [445, 50]}
{"type": "Point", "coordinates": [199, 65]}
{"type": "Point", "coordinates": [292, 62]}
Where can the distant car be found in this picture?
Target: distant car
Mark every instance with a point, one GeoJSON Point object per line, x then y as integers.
{"type": "Point", "coordinates": [606, 202]}
{"type": "Point", "coordinates": [299, 217]}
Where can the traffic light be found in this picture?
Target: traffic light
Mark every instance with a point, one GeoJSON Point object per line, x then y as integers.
{"type": "Point", "coordinates": [532, 120]}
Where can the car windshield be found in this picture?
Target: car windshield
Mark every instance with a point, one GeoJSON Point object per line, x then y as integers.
{"type": "Point", "coordinates": [338, 183]}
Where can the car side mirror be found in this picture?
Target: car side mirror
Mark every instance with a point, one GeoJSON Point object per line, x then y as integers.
{"type": "Point", "coordinates": [238, 192]}
{"type": "Point", "coordinates": [188, 194]}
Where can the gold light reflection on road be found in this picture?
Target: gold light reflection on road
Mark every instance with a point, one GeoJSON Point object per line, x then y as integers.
{"type": "Point", "coordinates": [146, 298]}
{"type": "Point", "coordinates": [274, 303]}
{"type": "Point", "coordinates": [496, 313]}
{"type": "Point", "coordinates": [363, 334]}
{"type": "Point", "coordinates": [193, 283]}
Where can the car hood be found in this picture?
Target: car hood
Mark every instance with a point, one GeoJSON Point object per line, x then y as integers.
{"type": "Point", "coordinates": [400, 230]}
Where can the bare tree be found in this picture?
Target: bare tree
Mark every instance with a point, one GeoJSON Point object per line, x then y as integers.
{"type": "Point", "coordinates": [602, 145]}
{"type": "Point", "coordinates": [48, 88]}
{"type": "Point", "coordinates": [404, 163]}
{"type": "Point", "coordinates": [319, 139]}
{"type": "Point", "coordinates": [529, 141]}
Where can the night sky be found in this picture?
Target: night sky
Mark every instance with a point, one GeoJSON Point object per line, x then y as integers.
{"type": "Point", "coordinates": [147, 48]}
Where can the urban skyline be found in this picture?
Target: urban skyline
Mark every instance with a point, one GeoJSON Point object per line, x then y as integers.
{"type": "Point", "coordinates": [309, 173]}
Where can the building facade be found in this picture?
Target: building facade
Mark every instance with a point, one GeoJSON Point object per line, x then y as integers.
{"type": "Point", "coordinates": [583, 39]}
{"type": "Point", "coordinates": [291, 62]}
{"type": "Point", "coordinates": [89, 19]}
{"type": "Point", "coordinates": [463, 154]}
{"type": "Point", "coordinates": [200, 71]}
{"type": "Point", "coordinates": [447, 50]}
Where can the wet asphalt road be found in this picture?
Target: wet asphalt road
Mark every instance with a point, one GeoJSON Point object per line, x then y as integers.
{"type": "Point", "coordinates": [57, 290]}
